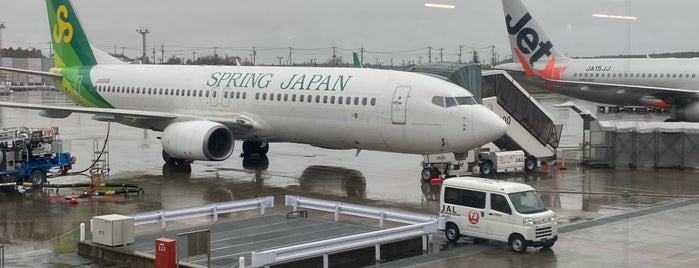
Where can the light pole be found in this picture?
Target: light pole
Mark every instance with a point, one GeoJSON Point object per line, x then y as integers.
{"type": "Point", "coordinates": [2, 27]}
{"type": "Point", "coordinates": [143, 31]}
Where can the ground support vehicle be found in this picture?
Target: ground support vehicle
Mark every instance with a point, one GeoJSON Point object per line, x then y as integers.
{"type": "Point", "coordinates": [29, 155]}
{"type": "Point", "coordinates": [490, 163]}
{"type": "Point", "coordinates": [503, 211]}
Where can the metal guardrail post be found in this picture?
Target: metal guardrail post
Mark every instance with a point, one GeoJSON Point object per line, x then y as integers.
{"type": "Point", "coordinates": [382, 216]}
{"type": "Point", "coordinates": [82, 231]}
{"type": "Point", "coordinates": [377, 253]}
{"type": "Point", "coordinates": [337, 212]}
{"type": "Point", "coordinates": [215, 209]}
{"type": "Point", "coordinates": [424, 243]}
{"type": "Point", "coordinates": [163, 220]}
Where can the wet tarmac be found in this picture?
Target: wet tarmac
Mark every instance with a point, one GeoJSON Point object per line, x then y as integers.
{"type": "Point", "coordinates": [40, 227]}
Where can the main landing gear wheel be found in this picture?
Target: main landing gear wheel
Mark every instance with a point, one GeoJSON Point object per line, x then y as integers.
{"type": "Point", "coordinates": [172, 161]}
{"type": "Point", "coordinates": [252, 148]}
{"type": "Point", "coordinates": [529, 164]}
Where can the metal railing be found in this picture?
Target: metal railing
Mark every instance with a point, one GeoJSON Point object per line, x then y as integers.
{"type": "Point", "coordinates": [214, 210]}
{"type": "Point", "coordinates": [421, 225]}
{"type": "Point", "coordinates": [357, 210]}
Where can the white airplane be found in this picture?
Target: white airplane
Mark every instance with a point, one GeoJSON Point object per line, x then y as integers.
{"type": "Point", "coordinates": [201, 110]}
{"type": "Point", "coordinates": [662, 83]}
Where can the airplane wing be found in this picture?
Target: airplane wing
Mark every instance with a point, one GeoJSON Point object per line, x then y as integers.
{"type": "Point", "coordinates": [32, 72]}
{"type": "Point", "coordinates": [67, 110]}
{"type": "Point", "coordinates": [236, 122]}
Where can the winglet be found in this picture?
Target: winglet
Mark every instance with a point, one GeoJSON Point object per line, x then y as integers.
{"type": "Point", "coordinates": [527, 39]}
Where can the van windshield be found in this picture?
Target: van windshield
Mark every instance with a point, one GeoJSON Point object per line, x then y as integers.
{"type": "Point", "coordinates": [527, 202]}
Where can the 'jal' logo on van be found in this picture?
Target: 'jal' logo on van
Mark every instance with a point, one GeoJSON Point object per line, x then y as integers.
{"type": "Point", "coordinates": [449, 209]}
{"type": "Point", "coordinates": [473, 217]}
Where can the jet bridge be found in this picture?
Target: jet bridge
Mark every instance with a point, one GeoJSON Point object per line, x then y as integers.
{"type": "Point", "coordinates": [530, 127]}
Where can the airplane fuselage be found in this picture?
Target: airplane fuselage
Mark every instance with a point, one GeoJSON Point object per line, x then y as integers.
{"type": "Point", "coordinates": [339, 108]}
{"type": "Point", "coordinates": [644, 72]}
{"type": "Point", "coordinates": [668, 73]}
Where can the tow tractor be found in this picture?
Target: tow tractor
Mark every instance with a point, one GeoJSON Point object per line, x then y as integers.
{"type": "Point", "coordinates": [478, 161]}
{"type": "Point", "coordinates": [29, 155]}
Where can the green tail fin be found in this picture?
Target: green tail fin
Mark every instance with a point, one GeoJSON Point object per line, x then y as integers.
{"type": "Point", "coordinates": [355, 59]}
{"type": "Point", "coordinates": [70, 45]}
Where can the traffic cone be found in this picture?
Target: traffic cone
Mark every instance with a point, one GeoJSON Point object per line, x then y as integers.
{"type": "Point", "coordinates": [73, 198]}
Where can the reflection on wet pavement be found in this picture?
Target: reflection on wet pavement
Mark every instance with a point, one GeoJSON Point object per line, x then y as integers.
{"type": "Point", "coordinates": [45, 221]}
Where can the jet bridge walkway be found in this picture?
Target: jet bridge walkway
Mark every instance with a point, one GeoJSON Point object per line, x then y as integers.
{"type": "Point", "coordinates": [530, 127]}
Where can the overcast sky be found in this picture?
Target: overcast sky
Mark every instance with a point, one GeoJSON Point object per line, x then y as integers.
{"type": "Point", "coordinates": [403, 27]}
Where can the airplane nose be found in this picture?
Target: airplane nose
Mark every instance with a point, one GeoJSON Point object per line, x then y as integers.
{"type": "Point", "coordinates": [489, 126]}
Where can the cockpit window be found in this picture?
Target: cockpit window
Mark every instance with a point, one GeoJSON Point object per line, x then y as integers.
{"type": "Point", "coordinates": [438, 100]}
{"type": "Point", "coordinates": [450, 102]}
{"type": "Point", "coordinates": [447, 102]}
{"type": "Point", "coordinates": [468, 100]}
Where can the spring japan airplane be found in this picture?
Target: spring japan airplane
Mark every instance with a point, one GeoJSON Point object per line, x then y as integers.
{"type": "Point", "coordinates": [661, 83]}
{"type": "Point", "coordinates": [202, 110]}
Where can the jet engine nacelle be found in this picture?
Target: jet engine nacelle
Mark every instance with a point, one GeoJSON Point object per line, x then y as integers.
{"type": "Point", "coordinates": [198, 140]}
{"type": "Point", "coordinates": [688, 112]}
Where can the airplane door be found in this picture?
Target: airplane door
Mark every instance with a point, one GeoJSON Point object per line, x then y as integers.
{"type": "Point", "coordinates": [400, 104]}
{"type": "Point", "coordinates": [214, 96]}
{"type": "Point", "coordinates": [226, 97]}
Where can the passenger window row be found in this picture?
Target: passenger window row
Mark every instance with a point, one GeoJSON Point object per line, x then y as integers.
{"type": "Point", "coordinates": [635, 75]}
{"type": "Point", "coordinates": [310, 98]}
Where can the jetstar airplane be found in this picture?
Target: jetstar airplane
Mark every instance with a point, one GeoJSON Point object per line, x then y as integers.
{"type": "Point", "coordinates": [661, 83]}
{"type": "Point", "coordinates": [201, 110]}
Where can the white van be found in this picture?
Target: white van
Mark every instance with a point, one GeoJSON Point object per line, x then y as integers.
{"type": "Point", "coordinates": [502, 211]}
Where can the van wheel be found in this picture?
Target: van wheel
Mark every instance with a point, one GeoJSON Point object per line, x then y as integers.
{"type": "Point", "coordinates": [452, 232]}
{"type": "Point", "coordinates": [518, 243]}
{"type": "Point", "coordinates": [529, 164]}
{"type": "Point", "coordinates": [487, 168]}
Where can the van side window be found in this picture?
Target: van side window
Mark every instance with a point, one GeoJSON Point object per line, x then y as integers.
{"type": "Point", "coordinates": [473, 199]}
{"type": "Point", "coordinates": [451, 196]}
{"type": "Point", "coordinates": [462, 197]}
{"type": "Point", "coordinates": [499, 203]}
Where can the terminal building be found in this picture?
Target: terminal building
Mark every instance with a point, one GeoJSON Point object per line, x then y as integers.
{"type": "Point", "coordinates": [24, 59]}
